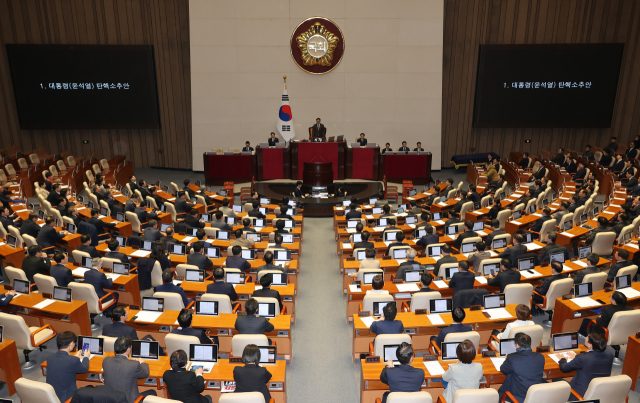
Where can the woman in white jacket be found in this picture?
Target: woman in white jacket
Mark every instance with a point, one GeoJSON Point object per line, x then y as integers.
{"type": "Point", "coordinates": [523, 313]}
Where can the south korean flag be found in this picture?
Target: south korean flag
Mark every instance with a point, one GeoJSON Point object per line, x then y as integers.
{"type": "Point", "coordinates": [285, 118]}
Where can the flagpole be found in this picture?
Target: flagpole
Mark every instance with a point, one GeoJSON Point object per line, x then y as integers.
{"type": "Point", "coordinates": [285, 82]}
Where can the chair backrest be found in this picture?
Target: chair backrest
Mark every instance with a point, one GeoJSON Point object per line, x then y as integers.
{"type": "Point", "coordinates": [547, 226]}
{"type": "Point", "coordinates": [597, 280]}
{"type": "Point", "coordinates": [224, 302]}
{"type": "Point", "coordinates": [175, 342]}
{"type": "Point", "coordinates": [382, 340]}
{"type": "Point", "coordinates": [266, 300]}
{"type": "Point", "coordinates": [557, 289]}
{"type": "Point", "coordinates": [631, 270]}
{"type": "Point", "coordinates": [369, 264]}
{"type": "Point", "coordinates": [468, 206]}
{"type": "Point", "coordinates": [108, 262]}
{"type": "Point", "coordinates": [519, 207]}
{"type": "Point", "coordinates": [518, 294]}
{"type": "Point", "coordinates": [35, 392]}
{"type": "Point", "coordinates": [240, 341]}
{"type": "Point", "coordinates": [451, 193]}
{"type": "Point", "coordinates": [368, 300]}
{"type": "Point", "coordinates": [553, 392]}
{"type": "Point", "coordinates": [473, 240]}
{"type": "Point", "coordinates": [603, 243]}
{"type": "Point", "coordinates": [503, 216]}
{"type": "Point", "coordinates": [391, 249]}
{"type": "Point", "coordinates": [486, 395]}
{"type": "Point", "coordinates": [244, 397]}
{"type": "Point", "coordinates": [175, 188]}
{"type": "Point", "coordinates": [10, 169]}
{"type": "Point", "coordinates": [486, 262]}
{"type": "Point", "coordinates": [45, 283]}
{"type": "Point", "coordinates": [410, 397]}
{"type": "Point", "coordinates": [71, 161]}
{"type": "Point", "coordinates": [533, 331]}
{"type": "Point", "coordinates": [610, 389]}
{"type": "Point", "coordinates": [623, 324]}
{"type": "Point", "coordinates": [565, 218]}
{"type": "Point", "coordinates": [86, 293]}
{"type": "Point", "coordinates": [14, 273]}
{"type": "Point", "coordinates": [90, 176]}
{"type": "Point", "coordinates": [53, 170]}
{"type": "Point", "coordinates": [577, 214]}
{"type": "Point", "coordinates": [420, 300]}
{"type": "Point", "coordinates": [134, 220]}
{"type": "Point", "coordinates": [16, 233]}
{"type": "Point", "coordinates": [104, 164]}
{"type": "Point", "coordinates": [247, 207]}
{"type": "Point", "coordinates": [61, 166]}
{"type": "Point", "coordinates": [171, 209]}
{"type": "Point", "coordinates": [625, 230]}
{"type": "Point", "coordinates": [16, 329]}
{"type": "Point", "coordinates": [78, 255]}
{"type": "Point", "coordinates": [502, 236]}
{"type": "Point", "coordinates": [362, 271]}
{"type": "Point", "coordinates": [264, 272]}
{"type": "Point", "coordinates": [172, 300]}
{"type": "Point", "coordinates": [473, 336]}
{"type": "Point", "coordinates": [181, 269]}
{"type": "Point", "coordinates": [156, 274]}
{"type": "Point", "coordinates": [29, 240]}
{"type": "Point", "coordinates": [109, 343]}
{"type": "Point", "coordinates": [157, 399]}
{"type": "Point", "coordinates": [22, 163]}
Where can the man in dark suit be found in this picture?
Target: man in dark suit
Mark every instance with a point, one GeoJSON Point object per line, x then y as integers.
{"type": "Point", "coordinates": [425, 281]}
{"type": "Point", "coordinates": [182, 204]}
{"type": "Point", "coordinates": [537, 189]}
{"type": "Point", "coordinates": [168, 286]}
{"type": "Point", "coordinates": [48, 235]}
{"type": "Point", "coordinates": [619, 165]}
{"type": "Point", "coordinates": [187, 190]}
{"type": "Point", "coordinates": [631, 181]}
{"type": "Point", "coordinates": [154, 195]}
{"type": "Point", "coordinates": [85, 246]}
{"type": "Point", "coordinates": [539, 174]}
{"type": "Point", "coordinates": [595, 363]}
{"type": "Point", "coordinates": [403, 378]}
{"type": "Point", "coordinates": [252, 324]}
{"type": "Point", "coordinates": [404, 147]}
{"type": "Point", "coordinates": [418, 147]}
{"type": "Point", "coordinates": [556, 274]}
{"type": "Point", "coordinates": [318, 131]}
{"type": "Point", "coordinates": [266, 291]}
{"type": "Point", "coordinates": [98, 394]}
{"type": "Point", "coordinates": [36, 263]}
{"type": "Point", "coordinates": [453, 219]}
{"type": "Point", "coordinates": [98, 223]}
{"type": "Point", "coordinates": [474, 196]}
{"type": "Point", "coordinates": [559, 158]}
{"type": "Point", "coordinates": [398, 242]}
{"type": "Point", "coordinates": [409, 265]}
{"type": "Point", "coordinates": [603, 226]}
{"type": "Point", "coordinates": [118, 327]}
{"type": "Point", "coordinates": [506, 275]}
{"type": "Point", "coordinates": [388, 324]}
{"type": "Point", "coordinates": [130, 205]}
{"type": "Point", "coordinates": [283, 212]}
{"type": "Point", "coordinates": [151, 232]}
{"type": "Point", "coordinates": [144, 191]}
{"type": "Point", "coordinates": [494, 226]}
{"type": "Point", "coordinates": [220, 287]}
{"type": "Point", "coordinates": [445, 257]}
{"type": "Point", "coordinates": [620, 257]}
{"type": "Point", "coordinates": [524, 162]}
{"type": "Point", "coordinates": [468, 233]}
{"type": "Point", "coordinates": [99, 281]}
{"type": "Point", "coordinates": [513, 252]}
{"type": "Point", "coordinates": [273, 140]}
{"type": "Point", "coordinates": [8, 218]}
{"type": "Point", "coordinates": [59, 271]}
{"type": "Point", "coordinates": [592, 261]}
{"type": "Point", "coordinates": [588, 154]}
{"type": "Point", "coordinates": [523, 369]}
{"type": "Point", "coordinates": [29, 226]}
{"type": "Point", "coordinates": [458, 316]}
{"type": "Point", "coordinates": [114, 252]}
{"type": "Point", "coordinates": [256, 210]}
{"type": "Point", "coordinates": [122, 374]}
{"type": "Point", "coordinates": [132, 183]}
{"type": "Point", "coordinates": [186, 386]}
{"type": "Point", "coordinates": [220, 223]}
{"type": "Point", "coordinates": [463, 279]}
{"type": "Point", "coordinates": [362, 141]}
{"type": "Point", "coordinates": [607, 158]}
{"type": "Point", "coordinates": [570, 165]}
{"type": "Point", "coordinates": [612, 146]}
{"type": "Point", "coordinates": [623, 175]}
{"type": "Point", "coordinates": [194, 220]}
{"type": "Point", "coordinates": [144, 215]}
{"type": "Point", "coordinates": [428, 239]}
{"type": "Point", "coordinates": [365, 241]}
{"type": "Point", "coordinates": [184, 320]}
{"type": "Point", "coordinates": [198, 259]}
{"type": "Point", "coordinates": [298, 190]}
{"type": "Point", "coordinates": [387, 148]}
{"type": "Point", "coordinates": [237, 261]}
{"type": "Point", "coordinates": [580, 173]}
{"type": "Point", "coordinates": [546, 216]}
{"type": "Point", "coordinates": [463, 199]}
{"type": "Point", "coordinates": [54, 195]}
{"type": "Point", "coordinates": [62, 367]}
{"type": "Point", "coordinates": [618, 303]}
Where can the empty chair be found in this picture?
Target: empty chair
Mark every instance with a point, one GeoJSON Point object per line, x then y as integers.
{"type": "Point", "coordinates": [44, 283]}
{"type": "Point", "coordinates": [22, 163]}
{"type": "Point", "coordinates": [597, 280]}
{"type": "Point", "coordinates": [175, 342]}
{"type": "Point", "coordinates": [224, 302]}
{"type": "Point", "coordinates": [95, 305]}
{"type": "Point", "coordinates": [611, 389]}
{"type": "Point", "coordinates": [603, 243]}
{"type": "Point", "coordinates": [243, 397]}
{"type": "Point", "coordinates": [35, 392]}
{"type": "Point", "coordinates": [34, 158]}
{"type": "Point", "coordinates": [553, 392]}
{"type": "Point", "coordinates": [557, 289]}
{"type": "Point", "coordinates": [14, 273]}
{"type": "Point", "coordinates": [175, 188]}
{"type": "Point", "coordinates": [240, 341]}
{"type": "Point", "coordinates": [26, 338]}
{"type": "Point", "coordinates": [420, 300]}
{"type": "Point", "coordinates": [503, 216]}
{"type": "Point", "coordinates": [518, 294]}
{"type": "Point", "coordinates": [135, 222]}
{"type": "Point", "coordinates": [16, 233]}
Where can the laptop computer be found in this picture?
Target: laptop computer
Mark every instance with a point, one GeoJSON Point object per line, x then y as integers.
{"type": "Point", "coordinates": [373, 200]}
{"type": "Point", "coordinates": [346, 203]}
{"type": "Point", "coordinates": [492, 268]}
{"type": "Point", "coordinates": [517, 214]}
{"type": "Point", "coordinates": [278, 279]}
{"type": "Point", "coordinates": [267, 309]}
{"type": "Point", "coordinates": [382, 222]}
{"type": "Point", "coordinates": [212, 252]}
{"type": "Point", "coordinates": [499, 243]}
{"type": "Point", "coordinates": [237, 208]}
{"type": "Point", "coordinates": [452, 230]}
{"type": "Point", "coordinates": [620, 282]}
{"type": "Point", "coordinates": [376, 211]}
{"type": "Point", "coordinates": [355, 237]}
{"type": "Point", "coordinates": [412, 276]}
{"type": "Point", "coordinates": [584, 218]}
{"type": "Point", "coordinates": [95, 345]}
{"type": "Point", "coordinates": [264, 200]}
{"type": "Point", "coordinates": [564, 341]}
{"type": "Point", "coordinates": [207, 308]}
{"type": "Point", "coordinates": [254, 236]}
{"type": "Point", "coordinates": [147, 350]}
{"type": "Point", "coordinates": [468, 247]}
{"type": "Point", "coordinates": [436, 216]}
{"type": "Point", "coordinates": [379, 306]}
{"type": "Point", "coordinates": [62, 294]}
{"type": "Point", "coordinates": [268, 355]}
{"type": "Point", "coordinates": [203, 356]}
{"type": "Point", "coordinates": [400, 253]}
{"type": "Point", "coordinates": [390, 235]}
{"type": "Point", "coordinates": [194, 275]}
{"type": "Point", "coordinates": [584, 251]}
{"type": "Point", "coordinates": [556, 257]}
{"type": "Point", "coordinates": [178, 249]}
{"type": "Point", "coordinates": [390, 353]}
{"type": "Point", "coordinates": [263, 210]}
{"type": "Point", "coordinates": [206, 217]}
{"type": "Point", "coordinates": [282, 256]}
{"type": "Point", "coordinates": [146, 245]}
{"type": "Point", "coordinates": [361, 255]}
{"type": "Point", "coordinates": [450, 271]}
{"type": "Point", "coordinates": [231, 221]}
{"type": "Point", "coordinates": [526, 263]}
{"type": "Point", "coordinates": [367, 278]}
{"type": "Point", "coordinates": [249, 254]}
{"type": "Point", "coordinates": [121, 268]}
{"type": "Point", "coordinates": [507, 346]}
{"type": "Point", "coordinates": [568, 225]}
{"type": "Point", "coordinates": [583, 290]}
{"type": "Point", "coordinates": [288, 238]}
{"type": "Point", "coordinates": [441, 305]}
{"type": "Point", "coordinates": [478, 226]}
{"type": "Point", "coordinates": [234, 277]}
{"type": "Point", "coordinates": [222, 235]}
{"type": "Point", "coordinates": [258, 222]}
{"type": "Point", "coordinates": [448, 350]}
{"type": "Point", "coordinates": [493, 301]}
{"type": "Point", "coordinates": [419, 233]}
{"type": "Point", "coordinates": [21, 286]}
{"type": "Point", "coordinates": [288, 224]}
{"type": "Point", "coordinates": [153, 304]}
{"type": "Point", "coordinates": [434, 251]}
{"type": "Point", "coordinates": [410, 219]}
{"type": "Point", "coordinates": [71, 228]}
{"type": "Point", "coordinates": [12, 240]}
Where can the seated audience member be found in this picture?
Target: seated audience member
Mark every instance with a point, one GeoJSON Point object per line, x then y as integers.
{"type": "Point", "coordinates": [365, 241]}
{"type": "Point", "coordinates": [197, 258]}
{"type": "Point", "coordinates": [252, 324]}
{"type": "Point", "coordinates": [410, 264]}
{"type": "Point", "coordinates": [284, 209]}
{"type": "Point", "coordinates": [184, 320]}
{"type": "Point", "coordinates": [398, 242]}
{"type": "Point", "coordinates": [220, 287]}
{"type": "Point", "coordinates": [552, 246]}
{"type": "Point", "coordinates": [62, 367]}
{"type": "Point", "coordinates": [523, 369]}
{"type": "Point", "coordinates": [194, 220]}
{"type": "Point", "coordinates": [592, 261]}
{"type": "Point", "coordinates": [256, 210]}
{"type": "Point", "coordinates": [458, 316]}
{"type": "Point", "coordinates": [266, 291]}
{"type": "Point", "coordinates": [445, 257]}
{"type": "Point", "coordinates": [278, 239]}
{"type": "Point", "coordinates": [185, 386]}
{"type": "Point", "coordinates": [98, 223]}
{"type": "Point", "coordinates": [388, 323]}
{"type": "Point", "coordinates": [85, 246]}
{"type": "Point", "coordinates": [496, 207]}
{"type": "Point", "coordinates": [151, 232]}
{"type": "Point", "coordinates": [465, 374]}
{"type": "Point", "coordinates": [220, 223]}
{"type": "Point", "coordinates": [618, 304]}
{"type": "Point", "coordinates": [386, 213]}
{"type": "Point", "coordinates": [524, 162]}
{"type": "Point", "coordinates": [541, 291]}
{"type": "Point", "coordinates": [468, 233]}
{"type": "Point", "coordinates": [168, 286]}
{"type": "Point", "coordinates": [100, 281]}
{"type": "Point", "coordinates": [404, 377]}
{"type": "Point", "coordinates": [506, 275]}
{"type": "Point", "coordinates": [352, 213]}
{"type": "Point", "coordinates": [29, 226]}
{"type": "Point", "coordinates": [523, 315]}
{"type": "Point", "coordinates": [252, 377]}
{"type": "Point", "coordinates": [114, 252]}
{"type": "Point", "coordinates": [429, 239]}
{"type": "Point", "coordinates": [237, 261]}
{"type": "Point", "coordinates": [48, 236]}
{"type": "Point", "coordinates": [268, 260]}
{"type": "Point", "coordinates": [100, 393]}
{"type": "Point", "coordinates": [377, 285]}
{"type": "Point", "coordinates": [118, 327]}
{"type": "Point", "coordinates": [620, 257]}
{"type": "Point", "coordinates": [476, 258]}
{"type": "Point", "coordinates": [60, 271]}
{"type": "Point", "coordinates": [122, 374]}
{"type": "Point", "coordinates": [425, 281]}
{"type": "Point", "coordinates": [246, 225]}
{"type": "Point", "coordinates": [425, 220]}
{"type": "Point", "coordinates": [242, 240]}
{"type": "Point", "coordinates": [6, 298]}
{"type": "Point", "coordinates": [463, 279]}
{"type": "Point", "coordinates": [603, 226]}
{"type": "Point", "coordinates": [596, 363]}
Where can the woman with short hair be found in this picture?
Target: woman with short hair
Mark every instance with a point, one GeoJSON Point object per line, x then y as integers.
{"type": "Point", "coordinates": [252, 377]}
{"type": "Point", "coordinates": [185, 386]}
{"type": "Point", "coordinates": [463, 375]}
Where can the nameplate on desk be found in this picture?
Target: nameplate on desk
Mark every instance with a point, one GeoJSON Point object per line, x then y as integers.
{"type": "Point", "coordinates": [430, 357]}
{"type": "Point", "coordinates": [134, 307]}
{"type": "Point", "coordinates": [242, 314]}
{"type": "Point", "coordinates": [421, 311]}
{"type": "Point", "coordinates": [253, 270]}
{"type": "Point", "coordinates": [235, 359]}
{"type": "Point", "coordinates": [543, 349]}
{"type": "Point", "coordinates": [287, 298]}
{"type": "Point", "coordinates": [489, 353]}
{"type": "Point", "coordinates": [374, 358]}
{"type": "Point", "coordinates": [276, 386]}
{"type": "Point", "coordinates": [364, 313]}
{"type": "Point", "coordinates": [223, 332]}
{"type": "Point", "coordinates": [46, 295]}
{"type": "Point", "coordinates": [283, 333]}
{"type": "Point", "coordinates": [92, 376]}
{"type": "Point", "coordinates": [398, 281]}
{"type": "Point", "coordinates": [410, 331]}
{"type": "Point", "coordinates": [165, 329]}
{"type": "Point", "coordinates": [475, 308]}
{"type": "Point", "coordinates": [386, 258]}
{"type": "Point", "coordinates": [422, 255]}
{"type": "Point", "coordinates": [350, 259]}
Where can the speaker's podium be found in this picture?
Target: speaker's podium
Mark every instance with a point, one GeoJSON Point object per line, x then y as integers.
{"type": "Point", "coordinates": [317, 174]}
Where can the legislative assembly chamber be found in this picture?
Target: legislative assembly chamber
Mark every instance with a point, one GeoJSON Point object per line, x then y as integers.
{"type": "Point", "coordinates": [283, 201]}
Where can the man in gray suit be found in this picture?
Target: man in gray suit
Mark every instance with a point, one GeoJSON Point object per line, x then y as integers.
{"type": "Point", "coordinates": [592, 261]}
{"type": "Point", "coordinates": [220, 223]}
{"type": "Point", "coordinates": [226, 210]}
{"type": "Point", "coordinates": [63, 367]}
{"type": "Point", "coordinates": [122, 374]}
{"type": "Point", "coordinates": [197, 258]}
{"type": "Point", "coordinates": [252, 324]}
{"type": "Point", "coordinates": [152, 233]}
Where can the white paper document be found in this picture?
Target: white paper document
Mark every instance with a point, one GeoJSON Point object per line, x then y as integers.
{"type": "Point", "coordinates": [481, 233]}
{"type": "Point", "coordinates": [339, 208]}
{"type": "Point", "coordinates": [354, 288]}
{"type": "Point", "coordinates": [527, 274]}
{"type": "Point", "coordinates": [441, 222]}
{"type": "Point", "coordinates": [537, 215]}
{"type": "Point", "coordinates": [79, 271]}
{"type": "Point", "coordinates": [188, 238]}
{"type": "Point", "coordinates": [378, 229]}
{"type": "Point", "coordinates": [346, 245]}
{"type": "Point", "coordinates": [532, 246]}
{"type": "Point", "coordinates": [481, 280]}
{"type": "Point", "coordinates": [434, 368]}
{"type": "Point", "coordinates": [45, 303]}
{"type": "Point", "coordinates": [410, 198]}
{"type": "Point", "coordinates": [580, 263]}
{"type": "Point", "coordinates": [567, 234]}
{"type": "Point", "coordinates": [147, 316]}
{"type": "Point", "coordinates": [498, 313]}
{"type": "Point", "coordinates": [633, 245]}
{"type": "Point", "coordinates": [493, 254]}
{"type": "Point", "coordinates": [400, 261]}
{"type": "Point", "coordinates": [568, 355]}
{"type": "Point", "coordinates": [566, 268]}
{"type": "Point", "coordinates": [369, 217]}
{"type": "Point", "coordinates": [435, 319]}
{"type": "Point", "coordinates": [388, 243]}
{"type": "Point", "coordinates": [630, 292]}
{"type": "Point", "coordinates": [497, 362]}
{"type": "Point", "coordinates": [112, 276]}
{"type": "Point", "coordinates": [411, 226]}
{"type": "Point", "coordinates": [367, 320]}
{"type": "Point", "coordinates": [441, 284]}
{"type": "Point", "coordinates": [407, 287]}
{"type": "Point", "coordinates": [585, 302]}
{"type": "Point", "coordinates": [141, 253]}
{"type": "Point", "coordinates": [442, 204]}
{"type": "Point", "coordinates": [516, 222]}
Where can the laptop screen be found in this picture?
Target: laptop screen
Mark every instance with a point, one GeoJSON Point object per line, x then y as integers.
{"type": "Point", "coordinates": [234, 278]}
{"type": "Point", "coordinates": [282, 255]}
{"type": "Point", "coordinates": [258, 222]}
{"type": "Point", "coordinates": [556, 257]}
{"type": "Point", "coordinates": [12, 240]}
{"type": "Point", "coordinates": [376, 210]}
{"type": "Point", "coordinates": [267, 309]}
{"type": "Point", "coordinates": [499, 243]}
{"type": "Point", "coordinates": [379, 306]}
{"type": "Point", "coordinates": [163, 227]}
{"type": "Point", "coordinates": [452, 230]}
{"type": "Point", "coordinates": [222, 235]}
{"type": "Point", "coordinates": [526, 263]}
{"type": "Point", "coordinates": [62, 293]}
{"type": "Point", "coordinates": [372, 200]}
{"type": "Point", "coordinates": [263, 210]}
{"type": "Point", "coordinates": [255, 237]}
{"type": "Point", "coordinates": [264, 200]}
{"type": "Point", "coordinates": [390, 236]}
{"type": "Point", "coordinates": [146, 245]}
{"type": "Point", "coordinates": [436, 216]}
{"type": "Point", "coordinates": [583, 290]}
{"type": "Point", "coordinates": [346, 203]}
{"type": "Point", "coordinates": [565, 341]}
{"type": "Point", "coordinates": [194, 275]}
{"type": "Point", "coordinates": [390, 352]}
{"type": "Point", "coordinates": [621, 281]}
{"type": "Point", "coordinates": [71, 228]}
{"type": "Point", "coordinates": [178, 249]}
{"type": "Point", "coordinates": [412, 276]}
{"type": "Point", "coordinates": [507, 346]}
{"type": "Point", "coordinates": [367, 278]}
{"type": "Point", "coordinates": [21, 286]}
{"type": "Point", "coordinates": [356, 237]}
{"type": "Point", "coordinates": [468, 247]}
{"type": "Point", "coordinates": [267, 355]}
{"type": "Point", "coordinates": [449, 350]}
{"type": "Point", "coordinates": [147, 350]}
{"type": "Point", "coordinates": [86, 261]}
{"type": "Point", "coordinates": [121, 268]}
{"type": "Point", "coordinates": [95, 345]}
{"type": "Point", "coordinates": [532, 209]}
{"type": "Point", "coordinates": [382, 222]}
{"type": "Point", "coordinates": [231, 220]}
{"type": "Point", "coordinates": [493, 301]}
{"type": "Point", "coordinates": [153, 304]}
{"type": "Point", "coordinates": [478, 226]}
{"type": "Point", "coordinates": [419, 233]}
{"type": "Point", "coordinates": [450, 271]}
{"type": "Point", "coordinates": [490, 268]}
{"type": "Point", "coordinates": [288, 238]}
{"type": "Point", "coordinates": [434, 251]}
{"type": "Point", "coordinates": [529, 237]}
{"type": "Point", "coordinates": [236, 208]}
{"type": "Point", "coordinates": [207, 308]}
{"type": "Point", "coordinates": [203, 352]}
{"type": "Point", "coordinates": [440, 305]}
{"type": "Point", "coordinates": [583, 218]}
{"type": "Point", "coordinates": [568, 225]}
{"type": "Point", "coordinates": [249, 254]}
{"type": "Point", "coordinates": [400, 253]}
{"type": "Point", "coordinates": [410, 220]}
{"type": "Point", "coordinates": [361, 255]}
{"type": "Point", "coordinates": [212, 251]}
{"type": "Point", "coordinates": [517, 214]}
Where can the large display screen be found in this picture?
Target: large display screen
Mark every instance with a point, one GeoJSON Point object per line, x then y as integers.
{"type": "Point", "coordinates": [84, 86]}
{"type": "Point", "coordinates": [570, 85]}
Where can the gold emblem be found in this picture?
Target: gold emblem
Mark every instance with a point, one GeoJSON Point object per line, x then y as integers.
{"type": "Point", "coordinates": [317, 45]}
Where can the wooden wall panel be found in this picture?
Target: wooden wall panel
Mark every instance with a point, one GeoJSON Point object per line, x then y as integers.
{"type": "Point", "coordinates": [470, 23]}
{"type": "Point", "coordinates": [161, 23]}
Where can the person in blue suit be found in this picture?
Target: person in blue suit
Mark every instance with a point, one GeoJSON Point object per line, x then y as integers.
{"type": "Point", "coordinates": [220, 287]}
{"type": "Point", "coordinates": [428, 239]}
{"type": "Point", "coordinates": [168, 286]}
{"type": "Point", "coordinates": [6, 297]}
{"type": "Point", "coordinates": [185, 329]}
{"type": "Point", "coordinates": [594, 363]}
{"type": "Point", "coordinates": [99, 281]}
{"type": "Point", "coordinates": [404, 377]}
{"type": "Point", "coordinates": [60, 271]}
{"type": "Point", "coordinates": [523, 369]}
{"type": "Point", "coordinates": [63, 367]}
{"type": "Point", "coordinates": [389, 325]}
{"type": "Point", "coordinates": [118, 327]}
{"type": "Point", "coordinates": [458, 316]}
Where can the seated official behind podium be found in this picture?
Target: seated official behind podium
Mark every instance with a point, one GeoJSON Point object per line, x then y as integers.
{"type": "Point", "coordinates": [273, 140]}
{"type": "Point", "coordinates": [404, 377]}
{"type": "Point", "coordinates": [418, 147]}
{"type": "Point", "coordinates": [62, 367]}
{"type": "Point", "coordinates": [252, 324]}
{"type": "Point", "coordinates": [247, 147]}
{"type": "Point", "coordinates": [404, 147]}
{"type": "Point", "coordinates": [184, 386]}
{"type": "Point", "coordinates": [388, 323]}
{"type": "Point", "coordinates": [118, 327]}
{"type": "Point", "coordinates": [318, 131]}
{"type": "Point", "coordinates": [362, 141]}
{"type": "Point", "coordinates": [458, 314]}
{"type": "Point", "coordinates": [122, 374]}
{"type": "Point", "coordinates": [252, 377]}
{"type": "Point", "coordinates": [387, 148]}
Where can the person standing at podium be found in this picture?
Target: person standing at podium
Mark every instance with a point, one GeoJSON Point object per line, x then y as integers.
{"type": "Point", "coordinates": [404, 147]}
{"type": "Point", "coordinates": [362, 141]}
{"type": "Point", "coordinates": [273, 140]}
{"type": "Point", "coordinates": [318, 131]}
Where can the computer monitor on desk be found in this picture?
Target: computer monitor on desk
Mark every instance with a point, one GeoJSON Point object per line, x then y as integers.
{"type": "Point", "coordinates": [147, 350]}
{"type": "Point", "coordinates": [442, 305]}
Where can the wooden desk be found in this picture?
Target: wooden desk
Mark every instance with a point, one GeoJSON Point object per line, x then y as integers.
{"type": "Point", "coordinates": [10, 369]}
{"type": "Point", "coordinates": [122, 228]}
{"type": "Point", "coordinates": [62, 316]}
{"type": "Point", "coordinates": [127, 287]}
{"type": "Point", "coordinates": [223, 371]}
{"type": "Point", "coordinates": [12, 256]}
{"type": "Point", "coordinates": [632, 361]}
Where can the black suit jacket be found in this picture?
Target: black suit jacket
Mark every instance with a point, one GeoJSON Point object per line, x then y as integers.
{"type": "Point", "coordinates": [631, 183]}
{"type": "Point", "coordinates": [182, 206]}
{"type": "Point", "coordinates": [61, 373]}
{"type": "Point", "coordinates": [524, 163]}
{"type": "Point", "coordinates": [101, 225]}
{"type": "Point", "coordinates": [32, 265]}
{"type": "Point", "coordinates": [252, 324]}
{"type": "Point", "coordinates": [489, 239]}
{"type": "Point", "coordinates": [268, 293]}
{"type": "Point", "coordinates": [203, 262]}
{"type": "Point", "coordinates": [363, 245]}
{"type": "Point", "coordinates": [462, 281]}
{"type": "Point", "coordinates": [99, 281]}
{"type": "Point", "coordinates": [117, 329]}
{"type": "Point", "coordinates": [403, 378]}
{"type": "Point", "coordinates": [273, 141]}
{"type": "Point", "coordinates": [540, 173]}
{"type": "Point", "coordinates": [353, 214]}
{"type": "Point", "coordinates": [523, 369]}
{"type": "Point", "coordinates": [546, 283]}
{"type": "Point", "coordinates": [30, 228]}
{"type": "Point", "coordinates": [580, 174]}
{"type": "Point", "coordinates": [48, 236]}
{"type": "Point", "coordinates": [589, 365]}
{"type": "Point", "coordinates": [184, 385]}
{"type": "Point", "coordinates": [318, 132]}
{"type": "Point", "coordinates": [199, 333]}
{"type": "Point", "coordinates": [607, 314]}
{"type": "Point", "coordinates": [618, 166]}
{"type": "Point", "coordinates": [513, 252]}
{"type": "Point", "coordinates": [467, 234]}
{"type": "Point", "coordinates": [252, 378]}
{"type": "Point", "coordinates": [428, 240]}
{"type": "Point", "coordinates": [538, 225]}
{"type": "Point", "coordinates": [91, 250]}
{"type": "Point", "coordinates": [62, 275]}
{"type": "Point", "coordinates": [220, 287]}
{"type": "Point", "coordinates": [99, 394]}
{"type": "Point", "coordinates": [504, 278]}
{"type": "Point", "coordinates": [117, 255]}
{"type": "Point", "coordinates": [193, 222]}
{"type": "Point", "coordinates": [440, 262]}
